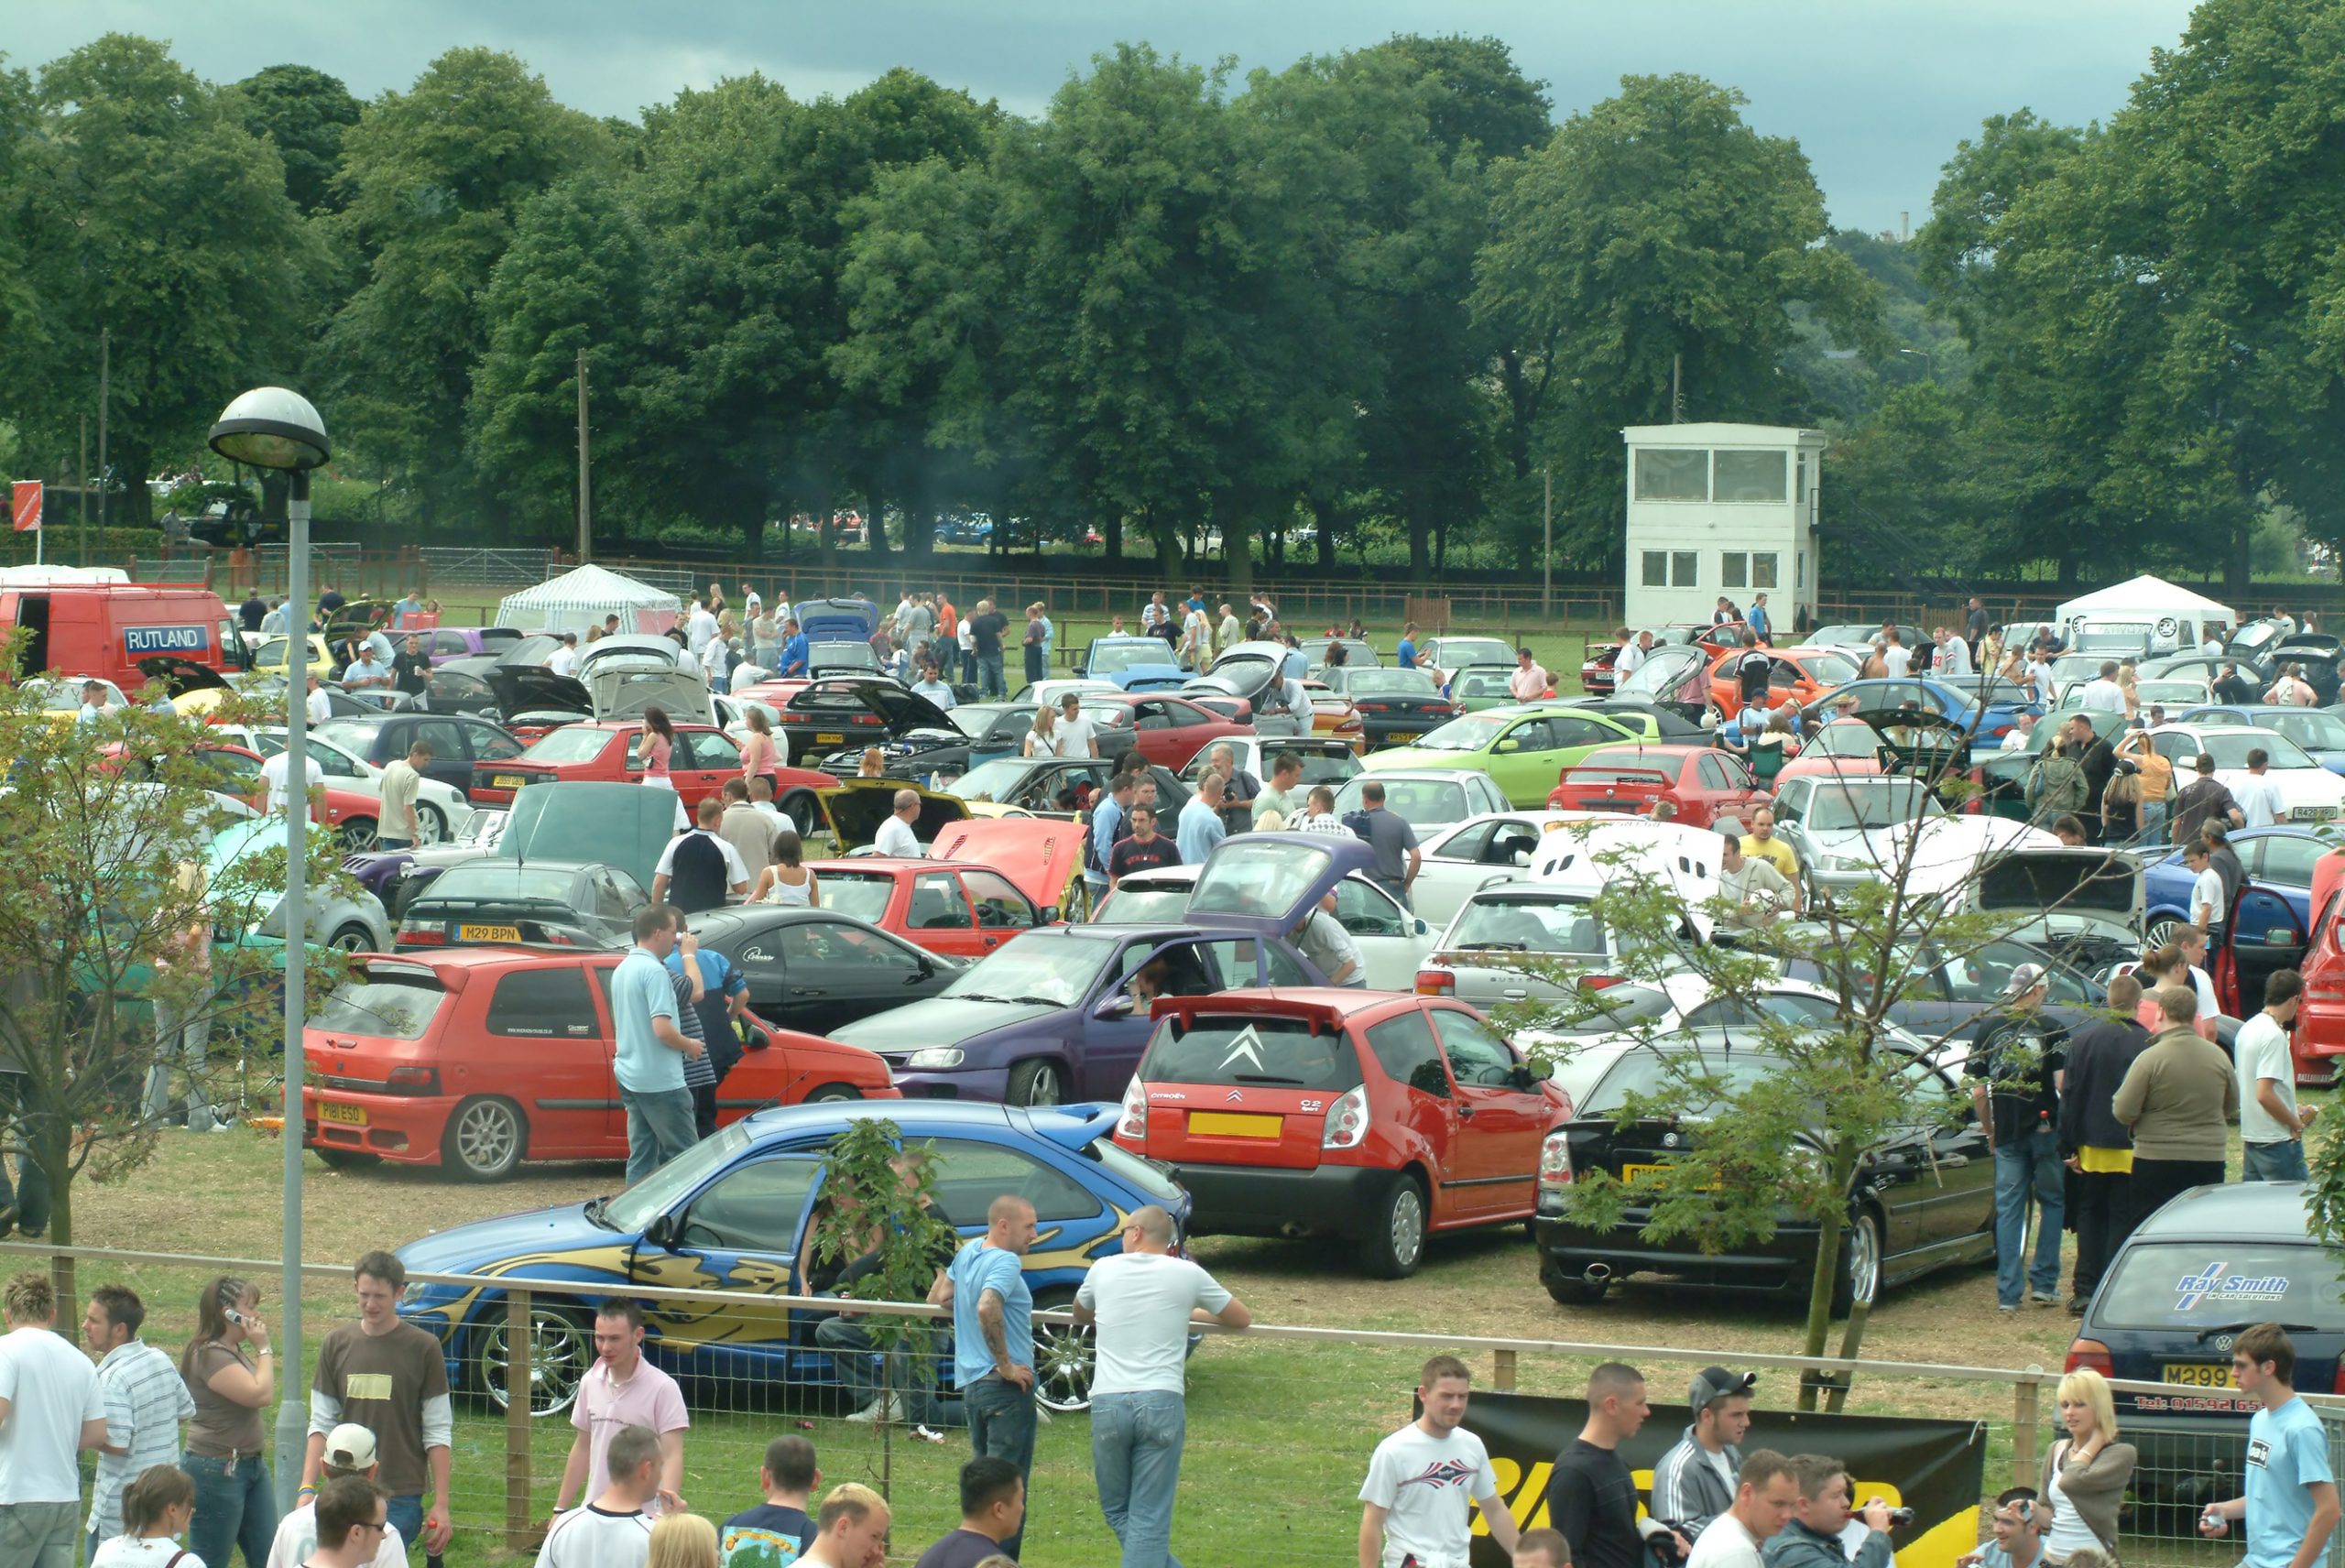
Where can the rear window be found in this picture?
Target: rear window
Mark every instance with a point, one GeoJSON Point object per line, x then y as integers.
{"type": "Point", "coordinates": [854, 893]}
{"type": "Point", "coordinates": [2191, 1285]}
{"type": "Point", "coordinates": [496, 639]}
{"type": "Point", "coordinates": [1324, 767]}
{"type": "Point", "coordinates": [572, 742]}
{"type": "Point", "coordinates": [386, 1007]}
{"type": "Point", "coordinates": [501, 882]}
{"type": "Point", "coordinates": [1530, 925]}
{"type": "Point", "coordinates": [1266, 880]}
{"type": "Point", "coordinates": [1280, 1053]}
{"type": "Point", "coordinates": [1648, 1072]}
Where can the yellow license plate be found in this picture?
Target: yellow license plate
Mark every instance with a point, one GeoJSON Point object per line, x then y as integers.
{"type": "Point", "coordinates": [488, 933]}
{"type": "Point", "coordinates": [1233, 1124]}
{"type": "Point", "coordinates": [1411, 735]}
{"type": "Point", "coordinates": [349, 1115]}
{"type": "Point", "coordinates": [830, 740]}
{"type": "Point", "coordinates": [507, 781]}
{"type": "Point", "coordinates": [2198, 1374]}
{"type": "Point", "coordinates": [1630, 1172]}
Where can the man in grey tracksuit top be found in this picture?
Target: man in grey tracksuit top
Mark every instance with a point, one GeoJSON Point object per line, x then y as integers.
{"type": "Point", "coordinates": [1693, 1482]}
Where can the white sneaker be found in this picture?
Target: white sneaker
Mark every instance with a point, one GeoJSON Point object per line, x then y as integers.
{"type": "Point", "coordinates": [883, 1409]}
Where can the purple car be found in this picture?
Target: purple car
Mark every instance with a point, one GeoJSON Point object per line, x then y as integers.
{"type": "Point", "coordinates": [1053, 1017]}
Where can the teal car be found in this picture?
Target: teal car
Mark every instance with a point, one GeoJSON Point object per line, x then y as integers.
{"type": "Point", "coordinates": [1524, 747]}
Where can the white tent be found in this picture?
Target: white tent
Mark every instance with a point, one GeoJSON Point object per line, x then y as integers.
{"type": "Point", "coordinates": [580, 598]}
{"type": "Point", "coordinates": [2153, 597]}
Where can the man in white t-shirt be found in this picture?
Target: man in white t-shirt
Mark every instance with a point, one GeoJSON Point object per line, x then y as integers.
{"type": "Point", "coordinates": [700, 630]}
{"type": "Point", "coordinates": [896, 837]}
{"type": "Point", "coordinates": [1077, 735]}
{"type": "Point", "coordinates": [350, 1451]}
{"type": "Point", "coordinates": [1765, 1494]}
{"type": "Point", "coordinates": [2258, 797]}
{"type": "Point", "coordinates": [1896, 657]}
{"type": "Point", "coordinates": [318, 704]}
{"type": "Point", "coordinates": [611, 1530]}
{"type": "Point", "coordinates": [2102, 694]}
{"type": "Point", "coordinates": [50, 1409]}
{"type": "Point", "coordinates": [2271, 1127]}
{"type": "Point", "coordinates": [1142, 1299]}
{"type": "Point", "coordinates": [274, 771]}
{"type": "Point", "coordinates": [563, 661]}
{"type": "Point", "coordinates": [1414, 1499]}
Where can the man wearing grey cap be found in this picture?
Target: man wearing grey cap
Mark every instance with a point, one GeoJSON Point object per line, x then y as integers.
{"type": "Point", "coordinates": [350, 1451]}
{"type": "Point", "coordinates": [2015, 1083]}
{"type": "Point", "coordinates": [1693, 1482]}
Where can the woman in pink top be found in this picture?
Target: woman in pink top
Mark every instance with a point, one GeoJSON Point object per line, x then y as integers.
{"type": "Point", "coordinates": [2160, 968]}
{"type": "Point", "coordinates": [659, 745]}
{"type": "Point", "coordinates": [757, 751]}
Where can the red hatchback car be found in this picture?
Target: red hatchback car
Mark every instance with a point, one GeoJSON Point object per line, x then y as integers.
{"type": "Point", "coordinates": [1165, 729]}
{"type": "Point", "coordinates": [1370, 1116]}
{"type": "Point", "coordinates": [960, 910]}
{"type": "Point", "coordinates": [480, 1058]}
{"type": "Point", "coordinates": [606, 752]}
{"type": "Point", "coordinates": [1704, 781]}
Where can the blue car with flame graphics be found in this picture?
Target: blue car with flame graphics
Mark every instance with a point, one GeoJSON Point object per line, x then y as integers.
{"type": "Point", "coordinates": [733, 1214]}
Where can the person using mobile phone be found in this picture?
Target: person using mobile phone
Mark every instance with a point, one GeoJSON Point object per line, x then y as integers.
{"type": "Point", "coordinates": [231, 1370]}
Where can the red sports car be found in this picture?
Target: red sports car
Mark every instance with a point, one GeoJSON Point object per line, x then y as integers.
{"type": "Point", "coordinates": [1705, 782]}
{"type": "Point", "coordinates": [480, 1058]}
{"type": "Point", "coordinates": [947, 907]}
{"type": "Point", "coordinates": [350, 815]}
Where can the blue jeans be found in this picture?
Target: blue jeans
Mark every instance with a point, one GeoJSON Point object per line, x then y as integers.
{"type": "Point", "coordinates": [231, 1509]}
{"type": "Point", "coordinates": [659, 1128]}
{"type": "Point", "coordinates": [990, 675]}
{"type": "Point", "coordinates": [856, 1363]}
{"type": "Point", "coordinates": [1136, 1452]}
{"type": "Point", "coordinates": [2032, 1165]}
{"type": "Point", "coordinates": [2153, 815]}
{"type": "Point", "coordinates": [405, 1516]}
{"type": "Point", "coordinates": [382, 842]}
{"type": "Point", "coordinates": [2272, 1161]}
{"type": "Point", "coordinates": [1001, 1425]}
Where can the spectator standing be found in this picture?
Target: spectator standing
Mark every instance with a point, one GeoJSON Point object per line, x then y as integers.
{"type": "Point", "coordinates": [1405, 654]}
{"type": "Point", "coordinates": [765, 638]}
{"type": "Point", "coordinates": [2016, 1073]}
{"type": "Point", "coordinates": [993, 1510]}
{"type": "Point", "coordinates": [350, 1451]}
{"type": "Point", "coordinates": [318, 704]}
{"type": "Point", "coordinates": [710, 996]}
{"type": "Point", "coordinates": [1078, 736]}
{"type": "Point", "coordinates": [1201, 825]}
{"type": "Point", "coordinates": [144, 1398]}
{"type": "Point", "coordinates": [273, 773]}
{"type": "Point", "coordinates": [2154, 797]}
{"type": "Point", "coordinates": [1415, 1501]}
{"type": "Point", "coordinates": [157, 1505]}
{"type": "Point", "coordinates": [2179, 1098]}
{"type": "Point", "coordinates": [1761, 842]}
{"type": "Point", "coordinates": [1952, 659]}
{"type": "Point", "coordinates": [1142, 1299]}
{"type": "Point", "coordinates": [563, 659]}
{"type": "Point", "coordinates": [1393, 843]}
{"type": "Point", "coordinates": [1037, 665]}
{"type": "Point", "coordinates": [2224, 860]}
{"type": "Point", "coordinates": [397, 826]}
{"type": "Point", "coordinates": [620, 1391]}
{"type": "Point", "coordinates": [1144, 850]}
{"type": "Point", "coordinates": [2290, 1508]}
{"type": "Point", "coordinates": [1764, 1497]}
{"type": "Point", "coordinates": [2206, 906]}
{"type": "Point", "coordinates": [1753, 890]}
{"type": "Point", "coordinates": [613, 1530]}
{"type": "Point", "coordinates": [2205, 798]}
{"type": "Point", "coordinates": [50, 1409]}
{"type": "Point", "coordinates": [793, 651]}
{"type": "Point", "coordinates": [390, 1377]}
{"type": "Point", "coordinates": [1108, 818]}
{"type": "Point", "coordinates": [1632, 655]}
{"type": "Point", "coordinates": [760, 754]}
{"type": "Point", "coordinates": [1694, 1483]}
{"type": "Point", "coordinates": [231, 1385]}
{"type": "Point", "coordinates": [1896, 658]}
{"type": "Point", "coordinates": [1318, 813]}
{"type": "Point", "coordinates": [932, 685]}
{"type": "Point", "coordinates": [2086, 1473]}
{"type": "Point", "coordinates": [993, 1337]}
{"type": "Point", "coordinates": [750, 832]}
{"type": "Point", "coordinates": [1814, 1535]}
{"type": "Point", "coordinates": [851, 1531]}
{"type": "Point", "coordinates": [1760, 623]}
{"type": "Point", "coordinates": [698, 868]}
{"type": "Point", "coordinates": [1591, 1495]}
{"type": "Point", "coordinates": [2101, 694]}
{"type": "Point", "coordinates": [649, 1058]}
{"type": "Point", "coordinates": [1529, 683]}
{"type": "Point", "coordinates": [966, 638]}
{"type": "Point", "coordinates": [896, 837]}
{"type": "Point", "coordinates": [776, 1532]}
{"type": "Point", "coordinates": [2096, 1147]}
{"type": "Point", "coordinates": [1752, 669]}
{"type": "Point", "coordinates": [2271, 1127]}
{"type": "Point", "coordinates": [1276, 805]}
{"type": "Point", "coordinates": [2260, 805]}
{"type": "Point", "coordinates": [411, 668]}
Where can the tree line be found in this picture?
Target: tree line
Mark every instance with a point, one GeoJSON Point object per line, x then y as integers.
{"type": "Point", "coordinates": [1381, 295]}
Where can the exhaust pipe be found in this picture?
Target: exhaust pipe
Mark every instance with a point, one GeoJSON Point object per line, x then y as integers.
{"type": "Point", "coordinates": [1597, 1274]}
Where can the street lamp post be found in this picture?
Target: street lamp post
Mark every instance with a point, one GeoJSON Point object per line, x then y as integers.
{"type": "Point", "coordinates": [272, 428]}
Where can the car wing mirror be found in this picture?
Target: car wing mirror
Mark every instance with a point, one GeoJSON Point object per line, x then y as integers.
{"type": "Point", "coordinates": [1109, 1008]}
{"type": "Point", "coordinates": [1522, 860]}
{"type": "Point", "coordinates": [1422, 928]}
{"type": "Point", "coordinates": [1520, 1076]}
{"type": "Point", "coordinates": [1508, 746]}
{"type": "Point", "coordinates": [661, 1232]}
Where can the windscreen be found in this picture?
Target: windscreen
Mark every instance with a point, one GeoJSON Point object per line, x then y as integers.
{"type": "Point", "coordinates": [1852, 804]}
{"type": "Point", "coordinates": [1138, 904]}
{"type": "Point", "coordinates": [1057, 974]}
{"type": "Point", "coordinates": [1275, 1052]}
{"type": "Point", "coordinates": [2229, 748]}
{"type": "Point", "coordinates": [500, 882]}
{"type": "Point", "coordinates": [2307, 727]}
{"type": "Point", "coordinates": [571, 743]}
{"type": "Point", "coordinates": [1475, 732]}
{"type": "Point", "coordinates": [1528, 925]}
{"type": "Point", "coordinates": [1389, 683]}
{"type": "Point", "coordinates": [1419, 802]}
{"type": "Point", "coordinates": [994, 780]}
{"type": "Point", "coordinates": [1111, 658]}
{"type": "Point", "coordinates": [1644, 1072]}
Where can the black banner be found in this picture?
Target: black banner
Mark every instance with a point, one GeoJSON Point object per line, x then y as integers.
{"type": "Point", "coordinates": [1935, 1467]}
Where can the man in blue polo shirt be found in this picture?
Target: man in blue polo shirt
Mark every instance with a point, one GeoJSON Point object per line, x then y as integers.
{"type": "Point", "coordinates": [650, 1061]}
{"type": "Point", "coordinates": [793, 648]}
{"type": "Point", "coordinates": [993, 1336]}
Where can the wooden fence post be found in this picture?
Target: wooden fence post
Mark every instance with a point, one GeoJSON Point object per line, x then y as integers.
{"type": "Point", "coordinates": [1503, 1371]}
{"type": "Point", "coordinates": [519, 1527]}
{"type": "Point", "coordinates": [2023, 1418]}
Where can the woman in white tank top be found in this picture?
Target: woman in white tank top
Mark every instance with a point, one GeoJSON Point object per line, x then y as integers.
{"type": "Point", "coordinates": [787, 881]}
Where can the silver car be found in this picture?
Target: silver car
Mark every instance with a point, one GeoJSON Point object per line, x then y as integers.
{"type": "Point", "coordinates": [1843, 827]}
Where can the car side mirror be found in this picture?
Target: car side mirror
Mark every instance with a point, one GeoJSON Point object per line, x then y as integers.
{"type": "Point", "coordinates": [1119, 1006]}
{"type": "Point", "coordinates": [661, 1232]}
{"type": "Point", "coordinates": [1508, 746]}
{"type": "Point", "coordinates": [1522, 860]}
{"type": "Point", "coordinates": [1520, 1077]}
{"type": "Point", "coordinates": [1422, 928]}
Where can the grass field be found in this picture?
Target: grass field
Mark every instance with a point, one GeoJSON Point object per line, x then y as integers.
{"type": "Point", "coordinates": [1278, 1433]}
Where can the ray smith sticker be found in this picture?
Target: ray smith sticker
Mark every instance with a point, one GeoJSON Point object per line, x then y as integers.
{"type": "Point", "coordinates": [2211, 1284]}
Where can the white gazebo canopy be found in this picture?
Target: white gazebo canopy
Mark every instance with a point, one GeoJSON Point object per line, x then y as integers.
{"type": "Point", "coordinates": [2147, 595]}
{"type": "Point", "coordinates": [582, 597]}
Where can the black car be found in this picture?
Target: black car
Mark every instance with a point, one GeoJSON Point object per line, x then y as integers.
{"type": "Point", "coordinates": [486, 687]}
{"type": "Point", "coordinates": [457, 741]}
{"type": "Point", "coordinates": [1395, 706]}
{"type": "Point", "coordinates": [1925, 1198]}
{"type": "Point", "coordinates": [849, 713]}
{"type": "Point", "coordinates": [2210, 1263]}
{"type": "Point", "coordinates": [812, 970]}
{"type": "Point", "coordinates": [557, 903]}
{"type": "Point", "coordinates": [987, 730]}
{"type": "Point", "coordinates": [1949, 997]}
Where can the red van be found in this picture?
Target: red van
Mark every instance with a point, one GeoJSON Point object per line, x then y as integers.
{"type": "Point", "coordinates": [105, 628]}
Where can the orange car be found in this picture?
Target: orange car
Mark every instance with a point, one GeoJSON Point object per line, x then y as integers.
{"type": "Point", "coordinates": [1332, 714]}
{"type": "Point", "coordinates": [1798, 676]}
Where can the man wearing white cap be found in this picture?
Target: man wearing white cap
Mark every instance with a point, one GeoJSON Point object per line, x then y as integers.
{"type": "Point", "coordinates": [350, 1451]}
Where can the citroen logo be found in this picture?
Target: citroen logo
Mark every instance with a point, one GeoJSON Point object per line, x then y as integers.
{"type": "Point", "coordinates": [1234, 1096]}
{"type": "Point", "coordinates": [1248, 1047]}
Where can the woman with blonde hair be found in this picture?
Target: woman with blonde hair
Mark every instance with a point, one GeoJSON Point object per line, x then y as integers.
{"type": "Point", "coordinates": [1043, 740]}
{"type": "Point", "coordinates": [2160, 968]}
{"type": "Point", "coordinates": [682, 1541]}
{"type": "Point", "coordinates": [2086, 1473]}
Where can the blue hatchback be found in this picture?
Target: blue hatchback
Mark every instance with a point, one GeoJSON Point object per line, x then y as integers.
{"type": "Point", "coordinates": [2277, 859]}
{"type": "Point", "coordinates": [2318, 731]}
{"type": "Point", "coordinates": [1956, 702]}
{"type": "Point", "coordinates": [734, 1213]}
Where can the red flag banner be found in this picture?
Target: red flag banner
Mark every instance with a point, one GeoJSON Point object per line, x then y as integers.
{"type": "Point", "coordinates": [27, 504]}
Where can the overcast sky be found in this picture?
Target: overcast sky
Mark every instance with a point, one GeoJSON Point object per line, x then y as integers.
{"type": "Point", "coordinates": [1877, 91]}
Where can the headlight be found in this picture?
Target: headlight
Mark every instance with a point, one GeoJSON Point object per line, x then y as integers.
{"type": "Point", "coordinates": [414, 1295]}
{"type": "Point", "coordinates": [935, 1056]}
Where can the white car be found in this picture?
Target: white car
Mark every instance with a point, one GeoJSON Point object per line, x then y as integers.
{"type": "Point", "coordinates": [2310, 792]}
{"type": "Point", "coordinates": [441, 812]}
{"type": "Point", "coordinates": [1325, 759]}
{"type": "Point", "coordinates": [1392, 943]}
{"type": "Point", "coordinates": [1495, 846]}
{"type": "Point", "coordinates": [1427, 798]}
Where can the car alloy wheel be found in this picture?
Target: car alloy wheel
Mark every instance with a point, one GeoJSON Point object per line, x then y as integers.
{"type": "Point", "coordinates": [1064, 1359]}
{"type": "Point", "coordinates": [1861, 1258]}
{"type": "Point", "coordinates": [486, 1139]}
{"type": "Point", "coordinates": [562, 1351]}
{"type": "Point", "coordinates": [431, 826]}
{"type": "Point", "coordinates": [353, 938]}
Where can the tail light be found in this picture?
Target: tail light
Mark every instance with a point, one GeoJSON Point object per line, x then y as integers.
{"type": "Point", "coordinates": [1374, 707]}
{"type": "Point", "coordinates": [1555, 1161]}
{"type": "Point", "coordinates": [412, 934]}
{"type": "Point", "coordinates": [413, 1081]}
{"type": "Point", "coordinates": [1436, 982]}
{"type": "Point", "coordinates": [1134, 1125]}
{"type": "Point", "coordinates": [1347, 1124]}
{"type": "Point", "coordinates": [1598, 982]}
{"type": "Point", "coordinates": [2090, 1355]}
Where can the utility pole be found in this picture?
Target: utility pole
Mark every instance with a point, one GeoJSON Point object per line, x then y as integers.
{"type": "Point", "coordinates": [1677, 389]}
{"type": "Point", "coordinates": [83, 474]}
{"type": "Point", "coordinates": [1547, 550]}
{"type": "Point", "coordinates": [585, 478]}
{"type": "Point", "coordinates": [106, 383]}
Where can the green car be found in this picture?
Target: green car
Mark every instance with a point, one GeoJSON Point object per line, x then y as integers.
{"type": "Point", "coordinates": [1524, 747]}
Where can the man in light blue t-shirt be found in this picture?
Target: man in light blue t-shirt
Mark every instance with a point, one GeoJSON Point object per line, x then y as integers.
{"type": "Point", "coordinates": [650, 1061]}
{"type": "Point", "coordinates": [2291, 1502]}
{"type": "Point", "coordinates": [993, 1337]}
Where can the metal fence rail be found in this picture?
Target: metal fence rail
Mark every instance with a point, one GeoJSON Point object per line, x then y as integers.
{"type": "Point", "coordinates": [1282, 1418]}
{"type": "Point", "coordinates": [446, 568]}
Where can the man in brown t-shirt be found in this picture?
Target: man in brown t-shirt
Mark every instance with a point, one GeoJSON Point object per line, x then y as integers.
{"type": "Point", "coordinates": [390, 1377]}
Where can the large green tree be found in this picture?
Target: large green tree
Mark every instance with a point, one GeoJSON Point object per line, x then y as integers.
{"type": "Point", "coordinates": [306, 112]}
{"type": "Point", "coordinates": [1656, 237]}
